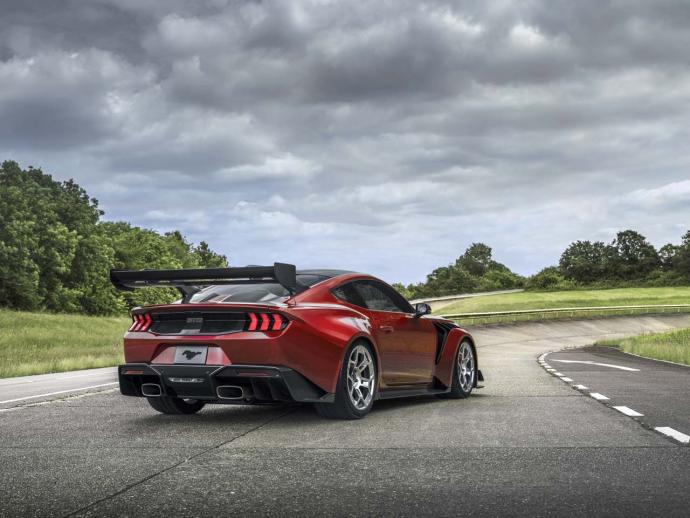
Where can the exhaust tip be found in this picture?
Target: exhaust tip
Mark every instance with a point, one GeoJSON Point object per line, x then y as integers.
{"type": "Point", "coordinates": [230, 392]}
{"type": "Point", "coordinates": [151, 389]}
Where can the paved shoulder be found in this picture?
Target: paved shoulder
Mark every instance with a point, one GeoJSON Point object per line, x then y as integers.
{"type": "Point", "coordinates": [655, 393]}
{"type": "Point", "coordinates": [31, 389]}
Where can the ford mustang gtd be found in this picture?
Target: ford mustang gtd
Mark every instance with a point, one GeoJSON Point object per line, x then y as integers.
{"type": "Point", "coordinates": [268, 334]}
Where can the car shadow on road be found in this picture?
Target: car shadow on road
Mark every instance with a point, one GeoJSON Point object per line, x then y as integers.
{"type": "Point", "coordinates": [213, 415]}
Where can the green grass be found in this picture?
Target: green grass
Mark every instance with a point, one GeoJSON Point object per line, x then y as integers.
{"type": "Point", "coordinates": [672, 346]}
{"type": "Point", "coordinates": [37, 343]}
{"type": "Point", "coordinates": [565, 299]}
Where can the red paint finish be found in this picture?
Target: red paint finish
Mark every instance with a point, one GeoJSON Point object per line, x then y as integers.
{"type": "Point", "coordinates": [319, 329]}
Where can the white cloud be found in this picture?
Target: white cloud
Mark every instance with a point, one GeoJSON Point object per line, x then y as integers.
{"type": "Point", "coordinates": [378, 136]}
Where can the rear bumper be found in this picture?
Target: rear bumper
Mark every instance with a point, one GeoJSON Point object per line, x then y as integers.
{"type": "Point", "coordinates": [259, 383]}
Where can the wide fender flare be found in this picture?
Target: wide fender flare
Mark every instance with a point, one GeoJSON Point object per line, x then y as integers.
{"type": "Point", "coordinates": [370, 340]}
{"type": "Point", "coordinates": [446, 364]}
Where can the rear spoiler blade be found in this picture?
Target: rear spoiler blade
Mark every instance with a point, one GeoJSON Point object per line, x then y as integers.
{"type": "Point", "coordinates": [189, 280]}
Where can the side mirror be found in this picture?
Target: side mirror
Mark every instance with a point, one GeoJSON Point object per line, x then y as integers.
{"type": "Point", "coordinates": [421, 308]}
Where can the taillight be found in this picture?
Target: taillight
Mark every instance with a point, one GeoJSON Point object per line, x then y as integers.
{"type": "Point", "coordinates": [265, 322]}
{"type": "Point", "coordinates": [141, 322]}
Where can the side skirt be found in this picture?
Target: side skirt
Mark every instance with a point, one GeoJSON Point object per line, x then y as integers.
{"type": "Point", "coordinates": [396, 393]}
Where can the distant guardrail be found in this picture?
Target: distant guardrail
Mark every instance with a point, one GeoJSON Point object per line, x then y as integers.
{"type": "Point", "coordinates": [554, 313]}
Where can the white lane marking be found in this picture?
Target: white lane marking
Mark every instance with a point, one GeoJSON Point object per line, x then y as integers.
{"type": "Point", "coordinates": [558, 373]}
{"type": "Point", "coordinates": [543, 356]}
{"type": "Point", "coordinates": [580, 387]}
{"type": "Point", "coordinates": [588, 362]}
{"type": "Point", "coordinates": [568, 380]}
{"type": "Point", "coordinates": [58, 392]}
{"type": "Point", "coordinates": [551, 370]}
{"type": "Point", "coordinates": [678, 436]}
{"type": "Point", "coordinates": [628, 411]}
{"type": "Point", "coordinates": [597, 396]}
{"type": "Point", "coordinates": [547, 366]}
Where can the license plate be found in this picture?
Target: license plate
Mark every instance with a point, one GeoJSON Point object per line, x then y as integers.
{"type": "Point", "coordinates": [191, 354]}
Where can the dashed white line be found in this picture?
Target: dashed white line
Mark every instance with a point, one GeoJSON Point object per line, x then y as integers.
{"type": "Point", "coordinates": [58, 392]}
{"type": "Point", "coordinates": [566, 379]}
{"type": "Point", "coordinates": [558, 373]}
{"type": "Point", "coordinates": [628, 411]}
{"type": "Point", "coordinates": [675, 434]}
{"type": "Point", "coordinates": [597, 396]}
{"type": "Point", "coordinates": [580, 387]}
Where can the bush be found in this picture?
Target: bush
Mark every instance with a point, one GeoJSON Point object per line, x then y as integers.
{"type": "Point", "coordinates": [550, 279]}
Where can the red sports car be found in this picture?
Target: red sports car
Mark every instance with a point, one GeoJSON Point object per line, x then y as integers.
{"type": "Point", "coordinates": [268, 334]}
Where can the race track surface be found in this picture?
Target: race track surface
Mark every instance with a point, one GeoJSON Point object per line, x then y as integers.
{"type": "Point", "coordinates": [527, 444]}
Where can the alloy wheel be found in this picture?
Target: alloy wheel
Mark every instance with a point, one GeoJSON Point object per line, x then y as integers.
{"type": "Point", "coordinates": [466, 366]}
{"type": "Point", "coordinates": [361, 377]}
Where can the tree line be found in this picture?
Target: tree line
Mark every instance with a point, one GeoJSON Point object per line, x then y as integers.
{"type": "Point", "coordinates": [56, 252]}
{"type": "Point", "coordinates": [473, 271]}
{"type": "Point", "coordinates": [628, 260]}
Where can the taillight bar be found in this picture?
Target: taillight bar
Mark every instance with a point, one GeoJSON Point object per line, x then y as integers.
{"type": "Point", "coordinates": [141, 322]}
{"type": "Point", "coordinates": [265, 322]}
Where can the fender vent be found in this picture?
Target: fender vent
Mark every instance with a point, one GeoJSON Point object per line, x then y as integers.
{"type": "Point", "coordinates": [442, 331]}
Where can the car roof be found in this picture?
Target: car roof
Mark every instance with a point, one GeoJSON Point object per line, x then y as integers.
{"type": "Point", "coordinates": [329, 273]}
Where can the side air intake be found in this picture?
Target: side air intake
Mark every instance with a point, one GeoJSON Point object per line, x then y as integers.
{"type": "Point", "coordinates": [442, 331]}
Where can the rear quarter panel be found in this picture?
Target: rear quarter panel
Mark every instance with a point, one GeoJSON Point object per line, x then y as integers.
{"type": "Point", "coordinates": [317, 344]}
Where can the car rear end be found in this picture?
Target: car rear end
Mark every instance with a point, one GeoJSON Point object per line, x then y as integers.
{"type": "Point", "coordinates": [223, 352]}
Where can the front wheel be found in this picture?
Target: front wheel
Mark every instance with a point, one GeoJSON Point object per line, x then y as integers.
{"type": "Point", "coordinates": [464, 372]}
{"type": "Point", "coordinates": [356, 388]}
{"type": "Point", "coordinates": [175, 406]}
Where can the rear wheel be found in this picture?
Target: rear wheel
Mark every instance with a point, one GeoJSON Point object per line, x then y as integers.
{"type": "Point", "coordinates": [354, 394]}
{"type": "Point", "coordinates": [464, 372]}
{"type": "Point", "coordinates": [177, 406]}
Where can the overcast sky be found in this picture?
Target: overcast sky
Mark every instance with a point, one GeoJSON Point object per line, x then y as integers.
{"type": "Point", "coordinates": [376, 136]}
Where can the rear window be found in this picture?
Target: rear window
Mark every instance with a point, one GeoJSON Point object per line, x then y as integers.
{"type": "Point", "coordinates": [251, 292]}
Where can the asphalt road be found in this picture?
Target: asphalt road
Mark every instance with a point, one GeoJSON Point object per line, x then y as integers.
{"type": "Point", "coordinates": [526, 444]}
{"type": "Point", "coordinates": [45, 387]}
{"type": "Point", "coordinates": [656, 394]}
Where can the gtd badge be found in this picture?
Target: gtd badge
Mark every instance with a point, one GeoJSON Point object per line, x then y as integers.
{"type": "Point", "coordinates": [195, 320]}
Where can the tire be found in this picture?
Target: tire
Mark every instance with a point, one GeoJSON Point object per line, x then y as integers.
{"type": "Point", "coordinates": [175, 406]}
{"type": "Point", "coordinates": [358, 372]}
{"type": "Point", "coordinates": [464, 372]}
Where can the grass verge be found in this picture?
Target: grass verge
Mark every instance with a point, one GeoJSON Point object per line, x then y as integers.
{"type": "Point", "coordinates": [530, 300]}
{"type": "Point", "coordinates": [37, 343]}
{"type": "Point", "coordinates": [571, 298]}
{"type": "Point", "coordinates": [673, 346]}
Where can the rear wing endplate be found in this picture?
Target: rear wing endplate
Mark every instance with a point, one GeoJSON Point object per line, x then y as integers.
{"type": "Point", "coordinates": [189, 280]}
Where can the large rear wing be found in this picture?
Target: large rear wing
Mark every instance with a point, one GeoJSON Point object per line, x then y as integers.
{"type": "Point", "coordinates": [189, 280]}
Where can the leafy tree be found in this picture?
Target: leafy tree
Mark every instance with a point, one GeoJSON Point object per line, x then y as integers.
{"type": "Point", "coordinates": [207, 258]}
{"type": "Point", "coordinates": [584, 261]}
{"type": "Point", "coordinates": [55, 253]}
{"type": "Point", "coordinates": [476, 259]}
{"type": "Point", "coordinates": [634, 257]}
{"type": "Point", "coordinates": [475, 270]}
{"type": "Point", "coordinates": [667, 256]}
{"type": "Point", "coordinates": [681, 259]}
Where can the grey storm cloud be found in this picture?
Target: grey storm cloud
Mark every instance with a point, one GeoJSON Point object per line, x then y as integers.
{"type": "Point", "coordinates": [379, 136]}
